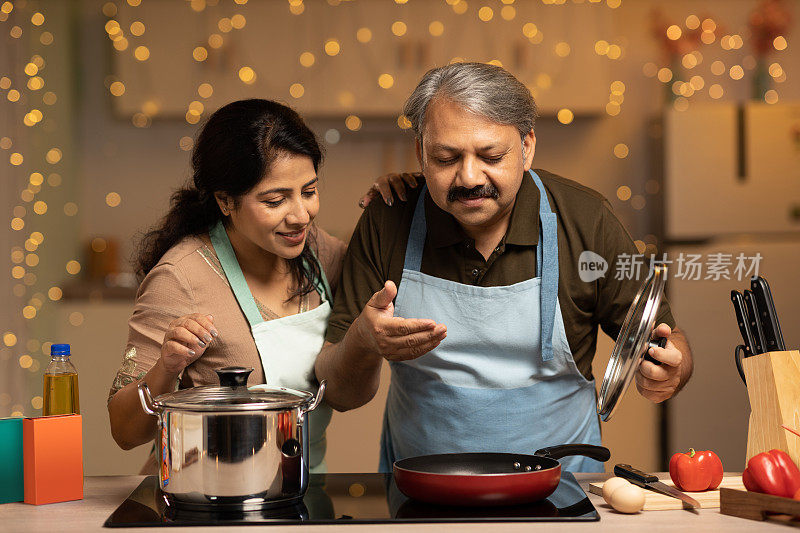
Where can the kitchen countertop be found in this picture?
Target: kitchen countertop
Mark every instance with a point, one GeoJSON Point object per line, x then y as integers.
{"type": "Point", "coordinates": [102, 494]}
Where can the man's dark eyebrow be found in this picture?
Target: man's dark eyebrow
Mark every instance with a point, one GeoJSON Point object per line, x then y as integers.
{"type": "Point", "coordinates": [446, 148]}
{"type": "Point", "coordinates": [437, 146]}
{"type": "Point", "coordinates": [286, 189]}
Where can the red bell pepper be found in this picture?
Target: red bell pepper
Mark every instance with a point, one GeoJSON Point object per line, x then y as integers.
{"type": "Point", "coordinates": [695, 471]}
{"type": "Point", "coordinates": [772, 472]}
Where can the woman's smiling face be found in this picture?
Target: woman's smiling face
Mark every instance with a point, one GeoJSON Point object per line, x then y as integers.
{"type": "Point", "coordinates": [276, 214]}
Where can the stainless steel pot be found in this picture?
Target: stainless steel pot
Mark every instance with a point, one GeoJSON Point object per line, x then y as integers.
{"type": "Point", "coordinates": [230, 446]}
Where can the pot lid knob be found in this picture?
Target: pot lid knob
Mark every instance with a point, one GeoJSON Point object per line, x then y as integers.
{"type": "Point", "coordinates": [233, 376]}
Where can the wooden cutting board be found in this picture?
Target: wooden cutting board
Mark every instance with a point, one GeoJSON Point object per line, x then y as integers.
{"type": "Point", "coordinates": [653, 501]}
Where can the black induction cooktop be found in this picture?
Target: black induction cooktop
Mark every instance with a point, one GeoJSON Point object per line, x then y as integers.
{"type": "Point", "coordinates": [352, 498]}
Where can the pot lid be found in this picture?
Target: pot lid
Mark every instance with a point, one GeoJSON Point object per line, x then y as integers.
{"type": "Point", "coordinates": [633, 342]}
{"type": "Point", "coordinates": [233, 395]}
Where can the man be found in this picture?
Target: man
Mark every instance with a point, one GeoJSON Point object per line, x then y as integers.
{"type": "Point", "coordinates": [492, 332]}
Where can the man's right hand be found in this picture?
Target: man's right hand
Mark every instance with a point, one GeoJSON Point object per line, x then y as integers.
{"type": "Point", "coordinates": [395, 338]}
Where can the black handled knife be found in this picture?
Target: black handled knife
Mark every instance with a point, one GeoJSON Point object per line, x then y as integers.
{"type": "Point", "coordinates": [767, 315]}
{"type": "Point", "coordinates": [755, 323]}
{"type": "Point", "coordinates": [743, 322]}
{"type": "Point", "coordinates": [651, 482]}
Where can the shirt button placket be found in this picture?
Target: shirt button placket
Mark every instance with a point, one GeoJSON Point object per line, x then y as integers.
{"type": "Point", "coordinates": [476, 274]}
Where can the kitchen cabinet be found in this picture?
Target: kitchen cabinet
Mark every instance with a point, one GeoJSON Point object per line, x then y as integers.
{"type": "Point", "coordinates": [273, 39]}
{"type": "Point", "coordinates": [730, 169]}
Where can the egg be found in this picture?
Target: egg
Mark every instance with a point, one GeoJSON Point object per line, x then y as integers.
{"type": "Point", "coordinates": [611, 485]}
{"type": "Point", "coordinates": [627, 499]}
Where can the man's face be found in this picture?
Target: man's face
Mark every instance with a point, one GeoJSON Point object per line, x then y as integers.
{"type": "Point", "coordinates": [473, 166]}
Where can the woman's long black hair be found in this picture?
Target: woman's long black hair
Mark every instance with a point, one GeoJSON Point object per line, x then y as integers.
{"type": "Point", "coordinates": [232, 155]}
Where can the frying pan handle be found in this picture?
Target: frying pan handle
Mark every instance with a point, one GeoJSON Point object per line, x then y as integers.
{"type": "Point", "coordinates": [598, 453]}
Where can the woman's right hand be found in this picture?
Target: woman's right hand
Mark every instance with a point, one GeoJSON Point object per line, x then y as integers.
{"type": "Point", "coordinates": [186, 340]}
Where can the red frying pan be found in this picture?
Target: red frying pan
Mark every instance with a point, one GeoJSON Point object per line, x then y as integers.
{"type": "Point", "coordinates": [487, 478]}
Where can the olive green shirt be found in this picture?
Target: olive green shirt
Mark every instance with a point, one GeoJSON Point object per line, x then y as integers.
{"type": "Point", "coordinates": [585, 222]}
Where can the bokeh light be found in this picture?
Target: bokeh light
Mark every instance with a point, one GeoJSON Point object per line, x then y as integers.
{"type": "Point", "coordinates": [332, 47]}
{"type": "Point", "coordinates": [565, 116]}
{"type": "Point", "coordinates": [352, 122]}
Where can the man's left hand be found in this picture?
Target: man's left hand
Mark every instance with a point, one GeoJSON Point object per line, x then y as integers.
{"type": "Point", "coordinates": [660, 382]}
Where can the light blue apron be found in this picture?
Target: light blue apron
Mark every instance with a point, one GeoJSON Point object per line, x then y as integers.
{"type": "Point", "coordinates": [288, 346]}
{"type": "Point", "coordinates": [492, 385]}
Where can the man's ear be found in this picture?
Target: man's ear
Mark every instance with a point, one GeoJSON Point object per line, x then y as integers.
{"type": "Point", "coordinates": [224, 202]}
{"type": "Point", "coordinates": [528, 149]}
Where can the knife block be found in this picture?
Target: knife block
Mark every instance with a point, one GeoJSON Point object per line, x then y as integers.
{"type": "Point", "coordinates": [773, 386]}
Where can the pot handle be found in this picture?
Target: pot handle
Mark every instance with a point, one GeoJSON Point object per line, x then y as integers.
{"type": "Point", "coordinates": [148, 404]}
{"type": "Point", "coordinates": [598, 453]}
{"type": "Point", "coordinates": [317, 398]}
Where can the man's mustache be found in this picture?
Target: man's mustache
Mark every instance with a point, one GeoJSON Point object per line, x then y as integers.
{"type": "Point", "coordinates": [482, 191]}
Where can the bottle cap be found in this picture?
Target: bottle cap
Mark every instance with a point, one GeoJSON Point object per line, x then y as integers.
{"type": "Point", "coordinates": [59, 349]}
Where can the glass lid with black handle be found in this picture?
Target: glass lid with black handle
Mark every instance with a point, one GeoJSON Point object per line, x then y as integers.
{"type": "Point", "coordinates": [633, 342]}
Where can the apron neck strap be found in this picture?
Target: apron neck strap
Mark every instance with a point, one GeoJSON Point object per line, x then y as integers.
{"type": "Point", "coordinates": [230, 265]}
{"type": "Point", "coordinates": [547, 266]}
{"type": "Point", "coordinates": [321, 283]}
{"type": "Point", "coordinates": [417, 234]}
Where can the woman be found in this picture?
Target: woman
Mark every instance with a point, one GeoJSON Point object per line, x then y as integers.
{"type": "Point", "coordinates": [236, 260]}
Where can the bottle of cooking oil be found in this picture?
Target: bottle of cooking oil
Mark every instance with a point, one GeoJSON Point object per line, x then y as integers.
{"type": "Point", "coordinates": [60, 383]}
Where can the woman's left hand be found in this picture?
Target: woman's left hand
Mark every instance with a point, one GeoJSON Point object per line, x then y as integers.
{"type": "Point", "coordinates": [384, 186]}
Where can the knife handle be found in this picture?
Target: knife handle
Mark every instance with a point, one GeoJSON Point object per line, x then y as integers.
{"type": "Point", "coordinates": [755, 322]}
{"type": "Point", "coordinates": [743, 322]}
{"type": "Point", "coordinates": [629, 472]}
{"type": "Point", "coordinates": [767, 314]}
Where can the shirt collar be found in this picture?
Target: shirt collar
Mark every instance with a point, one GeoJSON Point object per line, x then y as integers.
{"type": "Point", "coordinates": [523, 228]}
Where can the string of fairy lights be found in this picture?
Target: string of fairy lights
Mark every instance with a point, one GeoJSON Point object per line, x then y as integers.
{"type": "Point", "coordinates": [699, 71]}
{"type": "Point", "coordinates": [26, 88]}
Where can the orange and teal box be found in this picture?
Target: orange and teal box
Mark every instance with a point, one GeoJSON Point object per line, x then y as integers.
{"type": "Point", "coordinates": [11, 470]}
{"type": "Point", "coordinates": [53, 459]}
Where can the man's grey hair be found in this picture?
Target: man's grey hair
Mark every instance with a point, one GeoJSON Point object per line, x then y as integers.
{"type": "Point", "coordinates": [485, 90]}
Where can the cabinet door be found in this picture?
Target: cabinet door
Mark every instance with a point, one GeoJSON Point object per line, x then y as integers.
{"type": "Point", "coordinates": [272, 41]}
{"type": "Point", "coordinates": [732, 171]}
{"type": "Point", "coordinates": [772, 163]}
